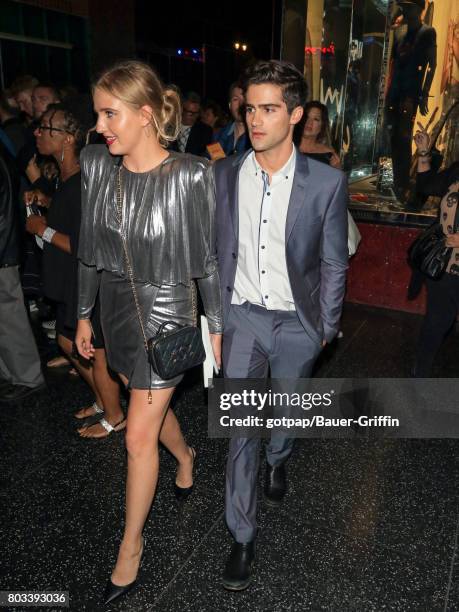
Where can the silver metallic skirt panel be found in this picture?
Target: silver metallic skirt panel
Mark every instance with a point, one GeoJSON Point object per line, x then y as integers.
{"type": "Point", "coordinates": [121, 328]}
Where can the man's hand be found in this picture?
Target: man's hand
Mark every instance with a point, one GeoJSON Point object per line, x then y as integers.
{"type": "Point", "coordinates": [453, 240]}
{"type": "Point", "coordinates": [36, 224]}
{"type": "Point", "coordinates": [216, 342]}
{"type": "Point", "coordinates": [422, 138]}
{"type": "Point", "coordinates": [83, 339]}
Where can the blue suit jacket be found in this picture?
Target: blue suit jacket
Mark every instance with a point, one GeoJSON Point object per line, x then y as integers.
{"type": "Point", "coordinates": [315, 240]}
{"type": "Point", "coordinates": [226, 138]}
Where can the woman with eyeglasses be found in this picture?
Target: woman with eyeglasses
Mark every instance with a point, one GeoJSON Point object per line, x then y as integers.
{"type": "Point", "coordinates": [62, 134]}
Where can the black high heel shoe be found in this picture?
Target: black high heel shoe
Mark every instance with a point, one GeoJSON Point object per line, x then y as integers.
{"type": "Point", "coordinates": [183, 493]}
{"type": "Point", "coordinates": [115, 591]}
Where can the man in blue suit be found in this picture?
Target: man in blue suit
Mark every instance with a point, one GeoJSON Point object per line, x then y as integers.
{"type": "Point", "coordinates": [282, 249]}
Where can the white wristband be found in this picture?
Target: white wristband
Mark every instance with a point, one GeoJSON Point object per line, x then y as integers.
{"type": "Point", "coordinates": [48, 234]}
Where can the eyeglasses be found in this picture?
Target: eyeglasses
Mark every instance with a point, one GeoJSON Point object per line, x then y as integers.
{"type": "Point", "coordinates": [40, 129]}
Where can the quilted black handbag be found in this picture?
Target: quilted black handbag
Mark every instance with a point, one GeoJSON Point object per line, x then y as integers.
{"type": "Point", "coordinates": [170, 352]}
{"type": "Point", "coordinates": [429, 253]}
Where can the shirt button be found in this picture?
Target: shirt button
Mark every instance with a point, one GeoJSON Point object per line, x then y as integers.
{"type": "Point", "coordinates": [266, 297]}
{"type": "Point", "coordinates": [268, 193]}
{"type": "Point", "coordinates": [228, 288]}
{"type": "Point", "coordinates": [265, 220]}
{"type": "Point", "coordinates": [262, 247]}
{"type": "Point", "coordinates": [263, 271]}
{"type": "Point", "coordinates": [234, 255]}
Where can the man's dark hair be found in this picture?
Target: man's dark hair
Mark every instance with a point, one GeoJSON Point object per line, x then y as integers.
{"type": "Point", "coordinates": [214, 107]}
{"type": "Point", "coordinates": [234, 85]}
{"type": "Point", "coordinates": [54, 90]}
{"type": "Point", "coordinates": [283, 74]}
{"type": "Point", "coordinates": [193, 97]}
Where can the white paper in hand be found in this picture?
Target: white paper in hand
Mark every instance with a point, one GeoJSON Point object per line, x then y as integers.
{"type": "Point", "coordinates": [210, 365]}
{"type": "Point", "coordinates": [38, 240]}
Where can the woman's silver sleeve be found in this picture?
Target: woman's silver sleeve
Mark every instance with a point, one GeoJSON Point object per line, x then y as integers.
{"type": "Point", "coordinates": [209, 288]}
{"type": "Point", "coordinates": [88, 287]}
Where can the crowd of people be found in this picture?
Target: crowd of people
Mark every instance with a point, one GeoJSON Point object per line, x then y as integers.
{"type": "Point", "coordinates": [115, 208]}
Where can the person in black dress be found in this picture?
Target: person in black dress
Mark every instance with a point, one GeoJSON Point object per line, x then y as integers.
{"type": "Point", "coordinates": [62, 134]}
{"type": "Point", "coordinates": [312, 135]}
{"type": "Point", "coordinates": [442, 294]}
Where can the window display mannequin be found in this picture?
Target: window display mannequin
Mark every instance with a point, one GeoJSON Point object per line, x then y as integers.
{"type": "Point", "coordinates": [414, 58]}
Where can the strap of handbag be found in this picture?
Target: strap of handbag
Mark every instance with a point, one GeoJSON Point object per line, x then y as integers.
{"type": "Point", "coordinates": [119, 215]}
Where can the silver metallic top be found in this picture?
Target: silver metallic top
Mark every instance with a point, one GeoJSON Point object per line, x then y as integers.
{"type": "Point", "coordinates": [168, 218]}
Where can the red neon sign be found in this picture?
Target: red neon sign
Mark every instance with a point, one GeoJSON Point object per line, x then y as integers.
{"type": "Point", "coordinates": [325, 50]}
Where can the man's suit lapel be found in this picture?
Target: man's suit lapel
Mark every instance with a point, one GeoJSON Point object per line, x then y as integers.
{"type": "Point", "coordinates": [193, 135]}
{"type": "Point", "coordinates": [298, 193]}
{"type": "Point", "coordinates": [233, 191]}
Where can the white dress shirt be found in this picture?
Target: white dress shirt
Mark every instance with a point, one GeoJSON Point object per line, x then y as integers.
{"type": "Point", "coordinates": [261, 274]}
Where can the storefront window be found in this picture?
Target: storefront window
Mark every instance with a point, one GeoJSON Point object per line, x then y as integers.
{"type": "Point", "coordinates": [382, 67]}
{"type": "Point", "coordinates": [50, 45]}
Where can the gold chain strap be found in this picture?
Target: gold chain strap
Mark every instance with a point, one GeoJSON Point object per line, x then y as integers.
{"type": "Point", "coordinates": [119, 205]}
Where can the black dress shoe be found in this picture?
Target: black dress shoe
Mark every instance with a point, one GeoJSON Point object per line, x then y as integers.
{"type": "Point", "coordinates": [16, 393]}
{"type": "Point", "coordinates": [115, 591]}
{"type": "Point", "coordinates": [275, 484]}
{"type": "Point", "coordinates": [183, 493]}
{"type": "Point", "coordinates": [238, 571]}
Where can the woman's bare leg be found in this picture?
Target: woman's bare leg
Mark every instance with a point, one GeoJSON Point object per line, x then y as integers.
{"type": "Point", "coordinates": [109, 391]}
{"type": "Point", "coordinates": [86, 373]}
{"type": "Point", "coordinates": [172, 438]}
{"type": "Point", "coordinates": [142, 436]}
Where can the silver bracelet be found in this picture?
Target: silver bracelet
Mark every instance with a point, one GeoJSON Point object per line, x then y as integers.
{"type": "Point", "coordinates": [48, 234]}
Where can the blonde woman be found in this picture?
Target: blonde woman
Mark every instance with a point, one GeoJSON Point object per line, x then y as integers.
{"type": "Point", "coordinates": [167, 218]}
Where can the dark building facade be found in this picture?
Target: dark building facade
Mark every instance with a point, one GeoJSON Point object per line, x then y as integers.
{"type": "Point", "coordinates": [63, 41]}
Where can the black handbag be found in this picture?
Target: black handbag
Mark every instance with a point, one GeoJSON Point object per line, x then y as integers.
{"type": "Point", "coordinates": [429, 253]}
{"type": "Point", "coordinates": [171, 351]}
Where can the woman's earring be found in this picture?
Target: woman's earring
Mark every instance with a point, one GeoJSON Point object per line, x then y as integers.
{"type": "Point", "coordinates": [63, 153]}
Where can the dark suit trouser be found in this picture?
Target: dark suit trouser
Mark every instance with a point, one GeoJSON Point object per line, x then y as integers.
{"type": "Point", "coordinates": [19, 359]}
{"type": "Point", "coordinates": [256, 339]}
{"type": "Point", "coordinates": [401, 116]}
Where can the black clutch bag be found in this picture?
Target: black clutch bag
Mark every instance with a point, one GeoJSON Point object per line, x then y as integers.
{"type": "Point", "coordinates": [429, 253]}
{"type": "Point", "coordinates": [171, 352]}
{"type": "Point", "coordinates": [174, 351]}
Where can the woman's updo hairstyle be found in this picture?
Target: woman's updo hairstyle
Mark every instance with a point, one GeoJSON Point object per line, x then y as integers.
{"type": "Point", "coordinates": [137, 84]}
